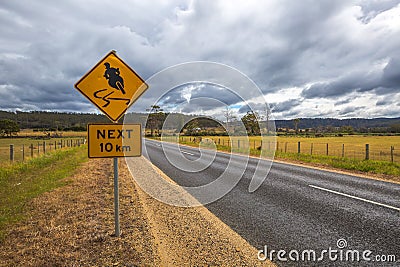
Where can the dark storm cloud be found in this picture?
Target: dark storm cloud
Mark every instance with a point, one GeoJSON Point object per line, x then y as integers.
{"type": "Point", "coordinates": [200, 105]}
{"type": "Point", "coordinates": [383, 102]}
{"type": "Point", "coordinates": [344, 101]}
{"type": "Point", "coordinates": [285, 105]}
{"type": "Point", "coordinates": [350, 110]}
{"type": "Point", "coordinates": [330, 49]}
{"type": "Point", "coordinates": [260, 108]}
{"type": "Point", "coordinates": [391, 74]}
{"type": "Point", "coordinates": [383, 82]}
{"type": "Point", "coordinates": [190, 95]}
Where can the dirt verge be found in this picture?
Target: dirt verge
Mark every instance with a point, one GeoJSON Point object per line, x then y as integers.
{"type": "Point", "coordinates": [188, 236]}
{"type": "Point", "coordinates": [73, 226]}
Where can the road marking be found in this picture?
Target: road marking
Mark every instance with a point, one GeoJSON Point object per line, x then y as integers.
{"type": "Point", "coordinates": [354, 197]}
{"type": "Point", "coordinates": [154, 143]}
{"type": "Point", "coordinates": [188, 153]}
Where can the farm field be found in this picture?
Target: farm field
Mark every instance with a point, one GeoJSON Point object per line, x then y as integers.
{"type": "Point", "coordinates": [31, 133]}
{"type": "Point", "coordinates": [352, 146]}
{"type": "Point", "coordinates": [347, 146]}
{"type": "Point", "coordinates": [344, 153]}
{"type": "Point", "coordinates": [27, 147]}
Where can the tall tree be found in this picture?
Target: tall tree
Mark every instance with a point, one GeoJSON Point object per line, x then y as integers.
{"type": "Point", "coordinates": [229, 117]}
{"type": "Point", "coordinates": [8, 127]}
{"type": "Point", "coordinates": [266, 115]}
{"type": "Point", "coordinates": [251, 122]}
{"type": "Point", "coordinates": [155, 119]}
{"type": "Point", "coordinates": [296, 124]}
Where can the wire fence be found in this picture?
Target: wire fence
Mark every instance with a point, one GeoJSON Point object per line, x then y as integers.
{"type": "Point", "coordinates": [343, 150]}
{"type": "Point", "coordinates": [23, 150]}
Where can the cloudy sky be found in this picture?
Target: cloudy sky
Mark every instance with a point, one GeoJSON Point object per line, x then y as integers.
{"type": "Point", "coordinates": [310, 58]}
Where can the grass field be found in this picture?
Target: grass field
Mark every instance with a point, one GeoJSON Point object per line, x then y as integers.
{"type": "Point", "coordinates": [30, 133]}
{"type": "Point", "coordinates": [22, 147]}
{"type": "Point", "coordinates": [353, 146]}
{"type": "Point", "coordinates": [347, 152]}
{"type": "Point", "coordinates": [21, 182]}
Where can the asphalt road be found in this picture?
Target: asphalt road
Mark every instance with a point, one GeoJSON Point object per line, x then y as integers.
{"type": "Point", "coordinates": [299, 209]}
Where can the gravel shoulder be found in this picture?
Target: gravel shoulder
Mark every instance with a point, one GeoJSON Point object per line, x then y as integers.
{"type": "Point", "coordinates": [190, 236]}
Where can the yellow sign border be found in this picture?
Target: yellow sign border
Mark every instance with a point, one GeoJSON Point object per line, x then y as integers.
{"type": "Point", "coordinates": [114, 53]}
{"type": "Point", "coordinates": [115, 124]}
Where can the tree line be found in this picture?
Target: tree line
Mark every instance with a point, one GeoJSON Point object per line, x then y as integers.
{"type": "Point", "coordinates": [254, 123]}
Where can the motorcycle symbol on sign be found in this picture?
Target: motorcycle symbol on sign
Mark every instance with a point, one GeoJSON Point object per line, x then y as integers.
{"type": "Point", "coordinates": [115, 81]}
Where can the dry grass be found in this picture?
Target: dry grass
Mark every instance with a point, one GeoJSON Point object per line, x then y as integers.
{"type": "Point", "coordinates": [314, 151]}
{"type": "Point", "coordinates": [30, 133]}
{"type": "Point", "coordinates": [73, 225]}
{"type": "Point", "coordinates": [22, 147]}
{"type": "Point", "coordinates": [354, 146]}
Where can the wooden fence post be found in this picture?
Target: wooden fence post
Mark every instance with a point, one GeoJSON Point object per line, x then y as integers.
{"type": "Point", "coordinates": [366, 151]}
{"type": "Point", "coordinates": [38, 148]}
{"type": "Point", "coordinates": [298, 147]}
{"type": "Point", "coordinates": [44, 147]}
{"type": "Point", "coordinates": [11, 152]}
{"type": "Point", "coordinates": [342, 150]}
{"type": "Point", "coordinates": [392, 153]}
{"type": "Point", "coordinates": [23, 152]}
{"type": "Point", "coordinates": [285, 147]}
{"type": "Point", "coordinates": [311, 149]}
{"type": "Point", "coordinates": [31, 150]}
{"type": "Point", "coordinates": [327, 149]}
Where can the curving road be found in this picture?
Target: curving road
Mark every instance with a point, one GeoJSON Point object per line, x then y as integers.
{"type": "Point", "coordinates": [299, 210]}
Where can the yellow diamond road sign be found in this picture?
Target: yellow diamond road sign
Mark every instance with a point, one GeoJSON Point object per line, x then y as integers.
{"type": "Point", "coordinates": [112, 86]}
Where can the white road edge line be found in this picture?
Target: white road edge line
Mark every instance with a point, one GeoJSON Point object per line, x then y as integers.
{"type": "Point", "coordinates": [354, 197]}
{"type": "Point", "coordinates": [188, 153]}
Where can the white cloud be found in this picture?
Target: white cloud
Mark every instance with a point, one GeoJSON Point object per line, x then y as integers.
{"type": "Point", "coordinates": [317, 52]}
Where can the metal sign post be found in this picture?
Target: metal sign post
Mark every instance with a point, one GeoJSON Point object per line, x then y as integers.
{"type": "Point", "coordinates": [116, 198]}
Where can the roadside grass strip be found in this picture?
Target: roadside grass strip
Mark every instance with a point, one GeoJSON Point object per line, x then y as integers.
{"type": "Point", "coordinates": [21, 182]}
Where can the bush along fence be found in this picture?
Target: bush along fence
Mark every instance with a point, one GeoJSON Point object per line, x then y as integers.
{"type": "Point", "coordinates": [24, 151]}
{"type": "Point", "coordinates": [351, 151]}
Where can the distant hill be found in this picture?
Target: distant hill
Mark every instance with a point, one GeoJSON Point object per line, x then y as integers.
{"type": "Point", "coordinates": [329, 122]}
{"type": "Point", "coordinates": [52, 120]}
{"type": "Point", "coordinates": [74, 121]}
